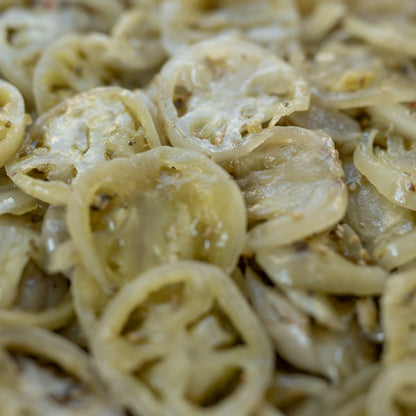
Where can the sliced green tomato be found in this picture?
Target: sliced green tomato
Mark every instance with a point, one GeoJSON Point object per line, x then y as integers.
{"type": "Point", "coordinates": [397, 312]}
{"type": "Point", "coordinates": [13, 121]}
{"type": "Point", "coordinates": [400, 117]}
{"type": "Point", "coordinates": [24, 34]}
{"type": "Point", "coordinates": [12, 199]}
{"type": "Point", "coordinates": [99, 125]}
{"type": "Point", "coordinates": [319, 23]}
{"type": "Point", "coordinates": [44, 373]}
{"type": "Point", "coordinates": [274, 24]}
{"type": "Point", "coordinates": [79, 62]}
{"type": "Point", "coordinates": [101, 14]}
{"type": "Point", "coordinates": [128, 215]}
{"type": "Point", "coordinates": [220, 96]}
{"type": "Point", "coordinates": [345, 76]}
{"type": "Point", "coordinates": [293, 185]}
{"type": "Point", "coordinates": [296, 338]}
{"type": "Point", "coordinates": [56, 253]}
{"type": "Point", "coordinates": [137, 31]}
{"type": "Point", "coordinates": [181, 339]}
{"type": "Point", "coordinates": [312, 265]}
{"type": "Point", "coordinates": [16, 247]}
{"type": "Point", "coordinates": [28, 294]}
{"type": "Point", "coordinates": [395, 37]}
{"type": "Point", "coordinates": [392, 392]}
{"type": "Point", "coordinates": [387, 229]}
{"type": "Point", "coordinates": [391, 169]}
{"type": "Point", "coordinates": [89, 300]}
{"type": "Point", "coordinates": [383, 9]}
{"type": "Point", "coordinates": [344, 130]}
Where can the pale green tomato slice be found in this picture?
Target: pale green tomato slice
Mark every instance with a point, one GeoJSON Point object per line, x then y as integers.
{"type": "Point", "coordinates": [388, 230]}
{"type": "Point", "coordinates": [400, 117]}
{"type": "Point", "coordinates": [13, 121]}
{"type": "Point", "coordinates": [79, 62]}
{"type": "Point", "coordinates": [310, 347]}
{"type": "Point", "coordinates": [45, 374]}
{"type": "Point", "coordinates": [345, 76]}
{"type": "Point", "coordinates": [95, 126]}
{"type": "Point", "coordinates": [128, 215]}
{"type": "Point", "coordinates": [313, 265]}
{"type": "Point", "coordinates": [16, 247]}
{"type": "Point", "coordinates": [138, 31]}
{"type": "Point", "coordinates": [175, 337]}
{"type": "Point", "coordinates": [390, 168]}
{"type": "Point", "coordinates": [89, 300]}
{"type": "Point", "coordinates": [344, 130]}
{"type": "Point", "coordinates": [319, 23]}
{"type": "Point", "coordinates": [28, 294]}
{"type": "Point", "coordinates": [293, 185]}
{"type": "Point", "coordinates": [12, 199]}
{"type": "Point", "coordinates": [273, 24]}
{"type": "Point", "coordinates": [394, 36]}
{"type": "Point", "coordinates": [220, 97]}
{"type": "Point", "coordinates": [398, 315]}
{"type": "Point", "coordinates": [101, 14]}
{"type": "Point", "coordinates": [392, 392]}
{"type": "Point", "coordinates": [24, 33]}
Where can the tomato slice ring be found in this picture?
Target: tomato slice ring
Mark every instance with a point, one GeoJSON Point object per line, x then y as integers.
{"type": "Point", "coordinates": [220, 96]}
{"type": "Point", "coordinates": [274, 24]}
{"type": "Point", "coordinates": [13, 121]}
{"type": "Point", "coordinates": [27, 383]}
{"type": "Point", "coordinates": [187, 370]}
{"type": "Point", "coordinates": [75, 135]}
{"type": "Point", "coordinates": [127, 215]}
{"type": "Point", "coordinates": [293, 185]}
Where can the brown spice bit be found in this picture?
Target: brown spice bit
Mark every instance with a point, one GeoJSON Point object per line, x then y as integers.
{"type": "Point", "coordinates": [410, 187]}
{"type": "Point", "coordinates": [219, 138]}
{"type": "Point", "coordinates": [8, 124]}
